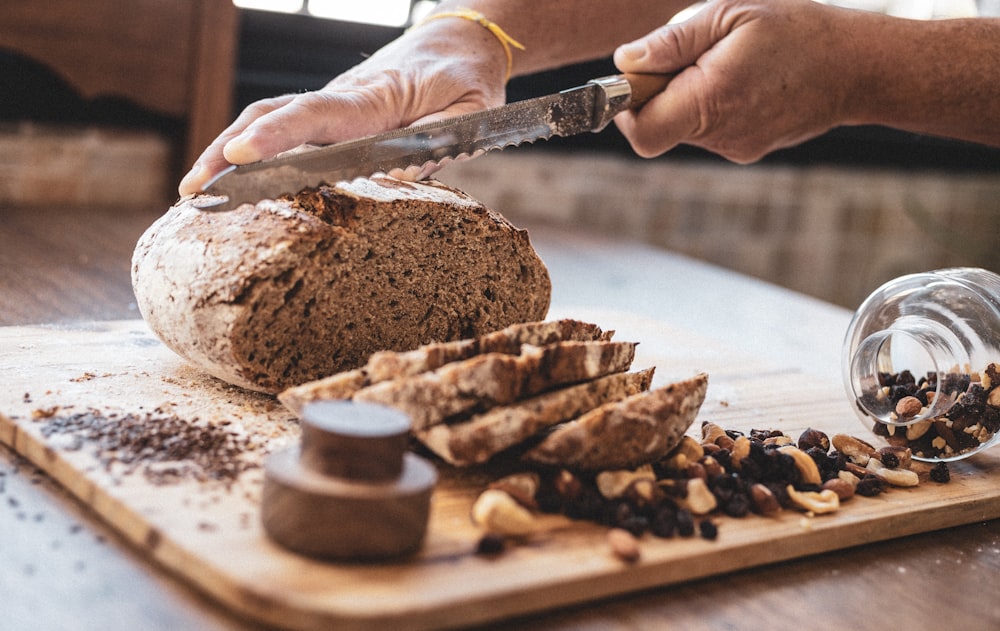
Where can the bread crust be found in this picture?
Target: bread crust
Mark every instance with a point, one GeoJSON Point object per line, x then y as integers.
{"type": "Point", "coordinates": [485, 435]}
{"type": "Point", "coordinates": [282, 292]}
{"type": "Point", "coordinates": [638, 430]}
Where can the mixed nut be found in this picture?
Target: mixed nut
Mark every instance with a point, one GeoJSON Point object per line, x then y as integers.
{"type": "Point", "coordinates": [970, 423]}
{"type": "Point", "coordinates": [725, 473]}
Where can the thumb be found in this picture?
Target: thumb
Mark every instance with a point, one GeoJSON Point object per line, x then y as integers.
{"type": "Point", "coordinates": [669, 48]}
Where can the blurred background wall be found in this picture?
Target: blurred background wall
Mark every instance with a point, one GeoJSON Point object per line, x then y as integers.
{"type": "Point", "coordinates": [832, 218]}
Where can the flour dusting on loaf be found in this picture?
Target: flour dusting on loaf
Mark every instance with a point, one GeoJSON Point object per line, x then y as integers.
{"type": "Point", "coordinates": [276, 294]}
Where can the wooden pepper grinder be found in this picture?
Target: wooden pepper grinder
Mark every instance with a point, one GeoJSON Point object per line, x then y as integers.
{"type": "Point", "coordinates": [351, 490]}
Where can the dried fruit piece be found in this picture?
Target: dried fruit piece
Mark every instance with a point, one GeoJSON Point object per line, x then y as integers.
{"type": "Point", "coordinates": [940, 473]}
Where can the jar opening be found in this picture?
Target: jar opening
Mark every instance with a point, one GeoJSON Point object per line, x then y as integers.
{"type": "Point", "coordinates": [906, 354]}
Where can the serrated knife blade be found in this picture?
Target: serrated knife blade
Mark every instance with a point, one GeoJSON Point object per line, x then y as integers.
{"type": "Point", "coordinates": [421, 148]}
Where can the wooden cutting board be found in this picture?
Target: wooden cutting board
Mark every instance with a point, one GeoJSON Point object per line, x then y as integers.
{"type": "Point", "coordinates": [207, 531]}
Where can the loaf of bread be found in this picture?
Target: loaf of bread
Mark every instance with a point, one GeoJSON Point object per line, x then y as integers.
{"type": "Point", "coordinates": [284, 292]}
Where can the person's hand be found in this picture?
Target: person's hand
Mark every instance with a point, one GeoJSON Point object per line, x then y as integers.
{"type": "Point", "coordinates": [753, 77]}
{"type": "Point", "coordinates": [415, 79]}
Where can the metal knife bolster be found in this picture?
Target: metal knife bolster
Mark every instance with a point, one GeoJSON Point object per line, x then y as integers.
{"type": "Point", "coordinates": [421, 148]}
{"type": "Point", "coordinates": [613, 97]}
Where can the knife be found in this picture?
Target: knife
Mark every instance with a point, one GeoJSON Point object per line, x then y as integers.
{"type": "Point", "coordinates": [589, 107]}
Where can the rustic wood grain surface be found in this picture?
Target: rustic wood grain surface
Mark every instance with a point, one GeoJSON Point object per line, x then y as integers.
{"type": "Point", "coordinates": [63, 560]}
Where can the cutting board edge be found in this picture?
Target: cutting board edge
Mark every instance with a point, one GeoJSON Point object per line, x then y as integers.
{"type": "Point", "coordinates": [275, 608]}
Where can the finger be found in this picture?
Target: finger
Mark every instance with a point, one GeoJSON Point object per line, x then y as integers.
{"type": "Point", "coordinates": [669, 48]}
{"type": "Point", "coordinates": [312, 117]}
{"type": "Point", "coordinates": [667, 120]}
{"type": "Point", "coordinates": [212, 160]}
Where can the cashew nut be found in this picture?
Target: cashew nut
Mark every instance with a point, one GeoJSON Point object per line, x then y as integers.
{"type": "Point", "coordinates": [687, 451]}
{"type": "Point", "coordinates": [741, 450]}
{"type": "Point", "coordinates": [918, 429]}
{"type": "Point", "coordinates": [808, 470]}
{"type": "Point", "coordinates": [613, 484]}
{"type": "Point", "coordinates": [700, 499]}
{"type": "Point", "coordinates": [895, 477]}
{"type": "Point", "coordinates": [521, 486]}
{"type": "Point", "coordinates": [499, 513]}
{"type": "Point", "coordinates": [818, 502]}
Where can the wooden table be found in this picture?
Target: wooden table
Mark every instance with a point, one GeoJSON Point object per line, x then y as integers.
{"type": "Point", "coordinates": [62, 568]}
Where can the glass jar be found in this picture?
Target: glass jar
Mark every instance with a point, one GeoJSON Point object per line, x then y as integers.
{"type": "Point", "coordinates": [921, 362]}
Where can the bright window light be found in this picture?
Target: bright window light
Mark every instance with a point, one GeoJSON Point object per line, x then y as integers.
{"type": "Point", "coordinates": [383, 12]}
{"type": "Point", "coordinates": [280, 6]}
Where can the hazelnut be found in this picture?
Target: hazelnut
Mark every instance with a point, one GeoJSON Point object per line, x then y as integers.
{"type": "Point", "coordinates": [764, 500]}
{"type": "Point", "coordinates": [849, 477]}
{"type": "Point", "coordinates": [813, 438]}
{"type": "Point", "coordinates": [843, 488]}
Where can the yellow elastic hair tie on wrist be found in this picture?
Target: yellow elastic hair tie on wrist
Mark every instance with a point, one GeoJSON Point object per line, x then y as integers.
{"type": "Point", "coordinates": [468, 14]}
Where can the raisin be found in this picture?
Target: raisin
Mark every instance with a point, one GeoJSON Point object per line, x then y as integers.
{"type": "Point", "coordinates": [889, 460]}
{"type": "Point", "coordinates": [737, 506]}
{"type": "Point", "coordinates": [664, 522]}
{"type": "Point", "coordinates": [708, 529]}
{"type": "Point", "coordinates": [490, 544]}
{"type": "Point", "coordinates": [869, 486]}
{"type": "Point", "coordinates": [685, 523]}
{"type": "Point", "coordinates": [940, 473]}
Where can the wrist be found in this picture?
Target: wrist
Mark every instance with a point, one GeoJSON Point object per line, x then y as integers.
{"type": "Point", "coordinates": [471, 38]}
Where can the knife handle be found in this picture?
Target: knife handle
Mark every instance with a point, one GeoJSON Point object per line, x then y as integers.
{"type": "Point", "coordinates": [624, 91]}
{"type": "Point", "coordinates": [645, 86]}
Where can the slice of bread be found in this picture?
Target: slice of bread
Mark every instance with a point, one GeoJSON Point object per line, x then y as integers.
{"type": "Point", "coordinates": [553, 393]}
{"type": "Point", "coordinates": [387, 365]}
{"type": "Point", "coordinates": [640, 429]}
{"type": "Point", "coordinates": [485, 435]}
{"type": "Point", "coordinates": [272, 295]}
{"type": "Point", "coordinates": [485, 381]}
